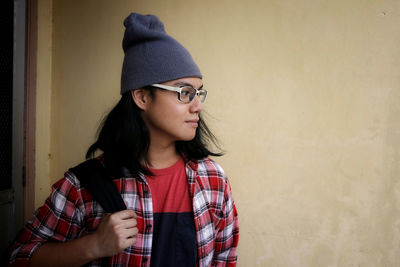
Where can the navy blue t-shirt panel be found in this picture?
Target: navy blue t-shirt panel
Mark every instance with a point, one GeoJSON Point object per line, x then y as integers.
{"type": "Point", "coordinates": [174, 240]}
{"type": "Point", "coordinates": [174, 234]}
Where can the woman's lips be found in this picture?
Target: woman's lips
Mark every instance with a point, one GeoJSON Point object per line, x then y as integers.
{"type": "Point", "coordinates": [193, 123]}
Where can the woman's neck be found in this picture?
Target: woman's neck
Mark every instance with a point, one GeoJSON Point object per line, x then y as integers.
{"type": "Point", "coordinates": [161, 156]}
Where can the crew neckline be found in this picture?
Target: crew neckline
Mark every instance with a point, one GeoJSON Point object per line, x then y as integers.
{"type": "Point", "coordinates": [167, 170]}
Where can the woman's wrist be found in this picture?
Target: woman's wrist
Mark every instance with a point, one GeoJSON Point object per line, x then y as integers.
{"type": "Point", "coordinates": [90, 248]}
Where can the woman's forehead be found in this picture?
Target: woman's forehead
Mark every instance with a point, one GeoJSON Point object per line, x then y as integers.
{"type": "Point", "coordinates": [192, 81]}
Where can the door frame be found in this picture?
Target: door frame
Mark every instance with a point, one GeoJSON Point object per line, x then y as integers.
{"type": "Point", "coordinates": [30, 108]}
{"type": "Point", "coordinates": [24, 112]}
{"type": "Point", "coordinates": [18, 103]}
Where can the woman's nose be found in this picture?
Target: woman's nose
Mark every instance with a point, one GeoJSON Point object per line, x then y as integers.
{"type": "Point", "coordinates": [196, 105]}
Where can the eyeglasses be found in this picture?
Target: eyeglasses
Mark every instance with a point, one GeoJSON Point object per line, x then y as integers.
{"type": "Point", "coordinates": [186, 93]}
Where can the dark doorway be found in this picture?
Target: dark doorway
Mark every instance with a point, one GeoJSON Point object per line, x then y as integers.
{"type": "Point", "coordinates": [12, 99]}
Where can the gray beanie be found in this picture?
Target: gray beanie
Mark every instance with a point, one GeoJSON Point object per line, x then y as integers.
{"type": "Point", "coordinates": [151, 55]}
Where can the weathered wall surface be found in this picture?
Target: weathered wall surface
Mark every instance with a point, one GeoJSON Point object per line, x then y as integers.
{"type": "Point", "coordinates": [304, 95]}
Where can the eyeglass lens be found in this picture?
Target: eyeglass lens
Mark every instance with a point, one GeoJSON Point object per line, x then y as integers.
{"type": "Point", "coordinates": [188, 93]}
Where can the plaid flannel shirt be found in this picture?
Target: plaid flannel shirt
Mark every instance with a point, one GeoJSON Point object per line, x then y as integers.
{"type": "Point", "coordinates": [70, 212]}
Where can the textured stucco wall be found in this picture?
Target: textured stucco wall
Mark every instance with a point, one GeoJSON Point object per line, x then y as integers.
{"type": "Point", "coordinates": [304, 96]}
{"type": "Point", "coordinates": [43, 103]}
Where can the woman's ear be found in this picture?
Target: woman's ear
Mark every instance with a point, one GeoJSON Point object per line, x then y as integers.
{"type": "Point", "coordinates": [142, 98]}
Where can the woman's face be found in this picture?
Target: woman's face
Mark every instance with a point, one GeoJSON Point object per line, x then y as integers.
{"type": "Point", "coordinates": [167, 118]}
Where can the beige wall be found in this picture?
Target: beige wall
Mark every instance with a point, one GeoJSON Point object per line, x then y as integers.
{"type": "Point", "coordinates": [43, 105]}
{"type": "Point", "coordinates": [304, 96]}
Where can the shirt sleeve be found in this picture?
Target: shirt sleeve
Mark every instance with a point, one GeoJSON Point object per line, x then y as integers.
{"type": "Point", "coordinates": [59, 219]}
{"type": "Point", "coordinates": [227, 236]}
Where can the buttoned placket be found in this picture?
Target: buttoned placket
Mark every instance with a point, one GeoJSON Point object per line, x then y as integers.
{"type": "Point", "coordinates": [191, 174]}
{"type": "Point", "coordinates": [148, 218]}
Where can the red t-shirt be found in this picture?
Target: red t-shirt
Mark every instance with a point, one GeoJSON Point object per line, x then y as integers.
{"type": "Point", "coordinates": [174, 236]}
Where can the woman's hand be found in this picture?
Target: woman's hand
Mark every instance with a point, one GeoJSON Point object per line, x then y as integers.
{"type": "Point", "coordinates": [115, 233]}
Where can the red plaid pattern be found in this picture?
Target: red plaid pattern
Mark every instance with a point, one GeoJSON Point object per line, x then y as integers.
{"type": "Point", "coordinates": [70, 212]}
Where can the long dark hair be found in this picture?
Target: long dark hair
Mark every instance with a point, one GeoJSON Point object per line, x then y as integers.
{"type": "Point", "coordinates": [124, 139]}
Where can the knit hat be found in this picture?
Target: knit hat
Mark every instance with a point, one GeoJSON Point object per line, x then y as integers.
{"type": "Point", "coordinates": [151, 55]}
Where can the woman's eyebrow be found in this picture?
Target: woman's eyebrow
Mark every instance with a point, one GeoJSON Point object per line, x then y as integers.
{"type": "Point", "coordinates": [186, 84]}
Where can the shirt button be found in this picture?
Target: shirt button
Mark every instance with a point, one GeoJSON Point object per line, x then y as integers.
{"type": "Point", "coordinates": [145, 192]}
{"type": "Point", "coordinates": [144, 259]}
{"type": "Point", "coordinates": [148, 227]}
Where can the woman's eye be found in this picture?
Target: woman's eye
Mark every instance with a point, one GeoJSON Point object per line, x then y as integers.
{"type": "Point", "coordinates": [186, 92]}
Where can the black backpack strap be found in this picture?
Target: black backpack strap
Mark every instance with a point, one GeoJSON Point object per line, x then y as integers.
{"type": "Point", "coordinates": [92, 175]}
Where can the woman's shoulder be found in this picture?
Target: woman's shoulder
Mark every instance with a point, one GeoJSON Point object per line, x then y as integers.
{"type": "Point", "coordinates": [74, 178]}
{"type": "Point", "coordinates": [209, 167]}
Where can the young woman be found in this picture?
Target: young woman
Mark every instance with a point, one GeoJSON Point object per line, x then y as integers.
{"type": "Point", "coordinates": [179, 208]}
